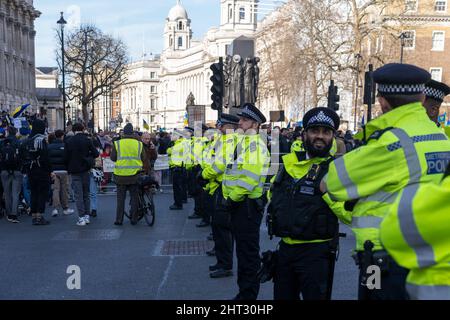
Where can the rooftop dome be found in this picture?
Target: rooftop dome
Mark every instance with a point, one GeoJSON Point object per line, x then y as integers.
{"type": "Point", "coordinates": [177, 12]}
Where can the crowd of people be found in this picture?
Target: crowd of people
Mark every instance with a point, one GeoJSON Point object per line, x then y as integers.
{"type": "Point", "coordinates": [382, 182]}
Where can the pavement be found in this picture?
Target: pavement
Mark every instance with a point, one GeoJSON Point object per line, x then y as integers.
{"type": "Point", "coordinates": [163, 262]}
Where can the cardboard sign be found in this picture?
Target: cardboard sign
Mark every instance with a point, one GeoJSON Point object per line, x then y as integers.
{"type": "Point", "coordinates": [162, 163]}
{"type": "Point", "coordinates": [108, 165]}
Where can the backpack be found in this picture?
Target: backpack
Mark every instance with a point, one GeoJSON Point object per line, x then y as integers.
{"type": "Point", "coordinates": [9, 156]}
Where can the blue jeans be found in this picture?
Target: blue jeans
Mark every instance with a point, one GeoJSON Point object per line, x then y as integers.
{"type": "Point", "coordinates": [26, 190]}
{"type": "Point", "coordinates": [93, 192]}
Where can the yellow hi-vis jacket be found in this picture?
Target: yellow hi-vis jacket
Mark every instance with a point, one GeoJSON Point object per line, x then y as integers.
{"type": "Point", "coordinates": [416, 233]}
{"type": "Point", "coordinates": [129, 161]}
{"type": "Point", "coordinates": [223, 152]}
{"type": "Point", "coordinates": [180, 154]}
{"type": "Point", "coordinates": [247, 174]}
{"type": "Point", "coordinates": [297, 170]}
{"type": "Point", "coordinates": [413, 151]}
{"type": "Point", "coordinates": [198, 144]}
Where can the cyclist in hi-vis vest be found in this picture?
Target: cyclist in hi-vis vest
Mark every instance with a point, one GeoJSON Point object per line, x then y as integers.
{"type": "Point", "coordinates": [128, 154]}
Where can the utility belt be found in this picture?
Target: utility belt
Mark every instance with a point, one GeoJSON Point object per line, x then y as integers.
{"type": "Point", "coordinates": [380, 258]}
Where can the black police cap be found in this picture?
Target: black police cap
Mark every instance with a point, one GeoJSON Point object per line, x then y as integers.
{"type": "Point", "coordinates": [321, 117]}
{"type": "Point", "coordinates": [401, 79]}
{"type": "Point", "coordinates": [249, 111]}
{"type": "Point", "coordinates": [228, 119]}
{"type": "Point", "coordinates": [436, 90]}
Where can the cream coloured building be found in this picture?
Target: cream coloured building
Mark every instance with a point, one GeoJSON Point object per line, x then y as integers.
{"type": "Point", "coordinates": [17, 54]}
{"type": "Point", "coordinates": [140, 94]}
{"type": "Point", "coordinates": [184, 66]}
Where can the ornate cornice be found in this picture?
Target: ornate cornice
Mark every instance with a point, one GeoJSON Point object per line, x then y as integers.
{"type": "Point", "coordinates": [420, 18]}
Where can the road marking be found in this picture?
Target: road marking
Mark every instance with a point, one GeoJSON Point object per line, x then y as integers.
{"type": "Point", "coordinates": [165, 277]}
{"type": "Point", "coordinates": [158, 248]}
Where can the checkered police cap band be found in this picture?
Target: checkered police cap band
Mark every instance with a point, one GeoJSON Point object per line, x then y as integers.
{"type": "Point", "coordinates": [250, 114]}
{"type": "Point", "coordinates": [321, 118]}
{"type": "Point", "coordinates": [401, 88]}
{"type": "Point", "coordinates": [434, 93]}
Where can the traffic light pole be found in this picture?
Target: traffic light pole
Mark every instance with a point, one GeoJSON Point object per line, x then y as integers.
{"type": "Point", "coordinates": [217, 88]}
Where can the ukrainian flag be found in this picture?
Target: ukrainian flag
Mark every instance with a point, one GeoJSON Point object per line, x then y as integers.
{"type": "Point", "coordinates": [17, 113]}
{"type": "Point", "coordinates": [146, 126]}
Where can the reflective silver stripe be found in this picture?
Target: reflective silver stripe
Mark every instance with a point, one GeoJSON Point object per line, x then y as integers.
{"type": "Point", "coordinates": [423, 292]}
{"type": "Point", "coordinates": [128, 158]}
{"type": "Point", "coordinates": [216, 169]}
{"type": "Point", "coordinates": [128, 167]}
{"type": "Point", "coordinates": [139, 150]}
{"type": "Point", "coordinates": [341, 170]}
{"type": "Point", "coordinates": [408, 226]}
{"type": "Point", "coordinates": [238, 183]}
{"type": "Point", "coordinates": [411, 156]}
{"type": "Point", "coordinates": [381, 196]}
{"type": "Point", "coordinates": [366, 222]}
{"type": "Point", "coordinates": [245, 185]}
{"type": "Point", "coordinates": [246, 173]}
{"type": "Point", "coordinates": [410, 231]}
{"type": "Point", "coordinates": [118, 150]}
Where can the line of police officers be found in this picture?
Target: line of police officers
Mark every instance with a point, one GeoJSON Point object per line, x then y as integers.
{"type": "Point", "coordinates": [390, 191]}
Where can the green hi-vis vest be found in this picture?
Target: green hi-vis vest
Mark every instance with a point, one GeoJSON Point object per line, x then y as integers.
{"type": "Point", "coordinates": [404, 148]}
{"type": "Point", "coordinates": [179, 153]}
{"type": "Point", "coordinates": [129, 160]}
{"type": "Point", "coordinates": [222, 155]}
{"type": "Point", "coordinates": [416, 233]}
{"type": "Point", "coordinates": [248, 172]}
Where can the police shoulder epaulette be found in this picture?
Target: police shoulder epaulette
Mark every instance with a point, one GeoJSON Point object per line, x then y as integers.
{"type": "Point", "coordinates": [377, 134]}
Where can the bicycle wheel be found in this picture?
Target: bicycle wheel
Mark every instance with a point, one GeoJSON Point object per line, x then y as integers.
{"type": "Point", "coordinates": [149, 205]}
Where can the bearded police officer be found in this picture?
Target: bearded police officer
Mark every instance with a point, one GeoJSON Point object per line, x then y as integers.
{"type": "Point", "coordinates": [402, 148]}
{"type": "Point", "coordinates": [302, 218]}
{"type": "Point", "coordinates": [242, 188]}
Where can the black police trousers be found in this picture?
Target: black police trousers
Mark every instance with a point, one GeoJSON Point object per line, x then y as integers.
{"type": "Point", "coordinates": [246, 217]}
{"type": "Point", "coordinates": [302, 269]}
{"type": "Point", "coordinates": [392, 284]}
{"type": "Point", "coordinates": [179, 190]}
{"type": "Point", "coordinates": [221, 230]}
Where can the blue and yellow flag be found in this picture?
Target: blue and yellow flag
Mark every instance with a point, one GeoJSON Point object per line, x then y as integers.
{"type": "Point", "coordinates": [146, 126]}
{"type": "Point", "coordinates": [442, 119]}
{"type": "Point", "coordinates": [18, 112]}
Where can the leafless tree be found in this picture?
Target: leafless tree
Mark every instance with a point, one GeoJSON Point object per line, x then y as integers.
{"type": "Point", "coordinates": [94, 62]}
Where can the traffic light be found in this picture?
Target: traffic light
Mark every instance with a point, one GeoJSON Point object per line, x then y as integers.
{"type": "Point", "coordinates": [217, 85]}
{"type": "Point", "coordinates": [333, 97]}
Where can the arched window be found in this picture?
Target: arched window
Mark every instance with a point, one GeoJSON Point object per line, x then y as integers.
{"type": "Point", "coordinates": [180, 25]}
{"type": "Point", "coordinates": [180, 41]}
{"type": "Point", "coordinates": [231, 13]}
{"type": "Point", "coordinates": [242, 13]}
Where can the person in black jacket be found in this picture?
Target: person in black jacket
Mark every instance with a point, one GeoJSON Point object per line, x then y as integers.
{"type": "Point", "coordinates": [34, 153]}
{"type": "Point", "coordinates": [79, 156]}
{"type": "Point", "coordinates": [60, 186]}
{"type": "Point", "coordinates": [11, 174]}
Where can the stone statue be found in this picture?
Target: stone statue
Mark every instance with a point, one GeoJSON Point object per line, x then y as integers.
{"type": "Point", "coordinates": [227, 80]}
{"type": "Point", "coordinates": [236, 88]}
{"type": "Point", "coordinates": [249, 81]}
{"type": "Point", "coordinates": [256, 77]}
{"type": "Point", "coordinates": [190, 101]}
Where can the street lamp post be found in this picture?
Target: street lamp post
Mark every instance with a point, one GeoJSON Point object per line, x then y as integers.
{"type": "Point", "coordinates": [358, 57]}
{"type": "Point", "coordinates": [402, 43]}
{"type": "Point", "coordinates": [62, 23]}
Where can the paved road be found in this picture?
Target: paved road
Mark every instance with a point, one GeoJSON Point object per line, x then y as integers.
{"type": "Point", "coordinates": [128, 262]}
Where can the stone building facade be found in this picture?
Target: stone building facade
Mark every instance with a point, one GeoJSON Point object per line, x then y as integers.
{"type": "Point", "coordinates": [17, 54]}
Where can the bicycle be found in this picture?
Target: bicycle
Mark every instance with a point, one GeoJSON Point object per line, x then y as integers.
{"type": "Point", "coordinates": [146, 205]}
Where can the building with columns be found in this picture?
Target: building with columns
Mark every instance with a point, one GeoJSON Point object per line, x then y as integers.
{"type": "Point", "coordinates": [183, 67]}
{"type": "Point", "coordinates": [17, 54]}
{"type": "Point", "coordinates": [140, 94]}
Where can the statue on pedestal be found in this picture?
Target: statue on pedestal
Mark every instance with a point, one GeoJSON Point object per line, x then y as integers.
{"type": "Point", "coordinates": [190, 101]}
